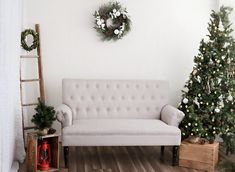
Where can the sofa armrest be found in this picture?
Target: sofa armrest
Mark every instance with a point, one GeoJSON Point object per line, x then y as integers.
{"type": "Point", "coordinates": [171, 115]}
{"type": "Point", "coordinates": [64, 115]}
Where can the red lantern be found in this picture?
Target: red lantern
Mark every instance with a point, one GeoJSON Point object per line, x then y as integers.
{"type": "Point", "coordinates": [44, 156]}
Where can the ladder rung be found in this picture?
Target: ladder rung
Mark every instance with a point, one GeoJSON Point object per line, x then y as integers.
{"type": "Point", "coordinates": [29, 80]}
{"type": "Point", "coordinates": [29, 128]}
{"type": "Point", "coordinates": [30, 104]}
{"type": "Point", "coordinates": [29, 56]}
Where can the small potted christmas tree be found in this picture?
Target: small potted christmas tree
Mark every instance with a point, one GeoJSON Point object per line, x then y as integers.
{"type": "Point", "coordinates": [44, 117]}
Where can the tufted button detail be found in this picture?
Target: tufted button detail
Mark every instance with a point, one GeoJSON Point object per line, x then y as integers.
{"type": "Point", "coordinates": [162, 97]}
{"type": "Point", "coordinates": [123, 97]}
{"type": "Point", "coordinates": [113, 98]}
{"type": "Point", "coordinates": [97, 86]}
{"type": "Point", "coordinates": [157, 108]}
{"type": "Point", "coordinates": [127, 86]}
{"type": "Point", "coordinates": [137, 86]}
{"type": "Point", "coordinates": [147, 109]}
{"type": "Point", "coordinates": [87, 85]}
{"type": "Point", "coordinates": [133, 97]}
{"type": "Point", "coordinates": [152, 97]}
{"type": "Point", "coordinates": [143, 97]}
{"type": "Point", "coordinates": [92, 98]}
{"type": "Point", "coordinates": [157, 86]}
{"type": "Point", "coordinates": [107, 86]}
{"type": "Point", "coordinates": [71, 97]}
{"type": "Point", "coordinates": [102, 97]}
{"type": "Point", "coordinates": [117, 86]}
{"type": "Point", "coordinates": [137, 109]}
{"type": "Point", "coordinates": [97, 109]}
{"type": "Point", "coordinates": [108, 109]}
{"type": "Point", "coordinates": [118, 108]}
{"type": "Point", "coordinates": [77, 86]}
{"type": "Point", "coordinates": [82, 98]}
{"type": "Point", "coordinates": [87, 109]}
{"type": "Point", "coordinates": [146, 86]}
{"type": "Point", "coordinates": [77, 109]}
{"type": "Point", "coordinates": [128, 108]}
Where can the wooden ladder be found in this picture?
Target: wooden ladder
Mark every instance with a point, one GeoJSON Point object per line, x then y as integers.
{"type": "Point", "coordinates": [38, 57]}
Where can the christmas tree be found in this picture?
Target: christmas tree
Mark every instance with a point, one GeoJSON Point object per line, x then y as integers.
{"type": "Point", "coordinates": [208, 95]}
{"type": "Point", "coordinates": [44, 117]}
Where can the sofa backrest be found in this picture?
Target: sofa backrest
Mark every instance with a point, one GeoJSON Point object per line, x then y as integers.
{"type": "Point", "coordinates": [115, 98]}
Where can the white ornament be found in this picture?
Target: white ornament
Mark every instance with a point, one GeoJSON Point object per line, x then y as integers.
{"type": "Point", "coordinates": [185, 100]}
{"type": "Point", "coordinates": [116, 31]}
{"type": "Point", "coordinates": [118, 13]}
{"type": "Point", "coordinates": [230, 98]}
{"type": "Point", "coordinates": [99, 22]}
{"type": "Point", "coordinates": [217, 110]}
{"type": "Point", "coordinates": [114, 10]}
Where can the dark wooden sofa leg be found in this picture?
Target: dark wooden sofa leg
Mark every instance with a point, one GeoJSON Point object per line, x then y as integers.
{"type": "Point", "coordinates": [162, 150]}
{"type": "Point", "coordinates": [66, 155]}
{"type": "Point", "coordinates": [175, 155]}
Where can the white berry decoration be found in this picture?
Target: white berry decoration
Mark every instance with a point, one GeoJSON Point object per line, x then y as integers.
{"type": "Point", "coordinates": [185, 100]}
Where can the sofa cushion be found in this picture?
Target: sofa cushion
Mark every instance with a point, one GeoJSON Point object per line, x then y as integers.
{"type": "Point", "coordinates": [120, 127]}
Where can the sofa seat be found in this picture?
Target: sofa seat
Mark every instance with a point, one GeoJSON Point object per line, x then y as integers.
{"type": "Point", "coordinates": [120, 132]}
{"type": "Point", "coordinates": [120, 126]}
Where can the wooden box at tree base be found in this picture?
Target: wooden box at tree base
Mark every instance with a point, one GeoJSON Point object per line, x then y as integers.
{"type": "Point", "coordinates": [200, 157]}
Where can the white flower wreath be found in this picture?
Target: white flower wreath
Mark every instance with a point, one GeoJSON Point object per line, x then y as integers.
{"type": "Point", "coordinates": [112, 21]}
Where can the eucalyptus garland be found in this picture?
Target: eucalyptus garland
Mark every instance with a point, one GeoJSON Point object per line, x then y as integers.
{"type": "Point", "coordinates": [24, 35]}
{"type": "Point", "coordinates": [112, 21]}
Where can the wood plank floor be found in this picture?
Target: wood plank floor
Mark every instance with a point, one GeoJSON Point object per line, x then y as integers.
{"type": "Point", "coordinates": [121, 159]}
{"type": "Point", "coordinates": [118, 159]}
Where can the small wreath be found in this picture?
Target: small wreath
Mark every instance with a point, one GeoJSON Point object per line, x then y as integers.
{"type": "Point", "coordinates": [24, 35]}
{"type": "Point", "coordinates": [112, 21]}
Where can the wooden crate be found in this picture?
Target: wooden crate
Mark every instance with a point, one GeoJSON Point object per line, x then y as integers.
{"type": "Point", "coordinates": [200, 157]}
{"type": "Point", "coordinates": [32, 144]}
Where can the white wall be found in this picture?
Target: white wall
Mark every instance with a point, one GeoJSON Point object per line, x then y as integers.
{"type": "Point", "coordinates": [165, 37]}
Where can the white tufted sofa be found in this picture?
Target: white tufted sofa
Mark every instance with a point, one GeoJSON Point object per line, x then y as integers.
{"type": "Point", "coordinates": [118, 113]}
